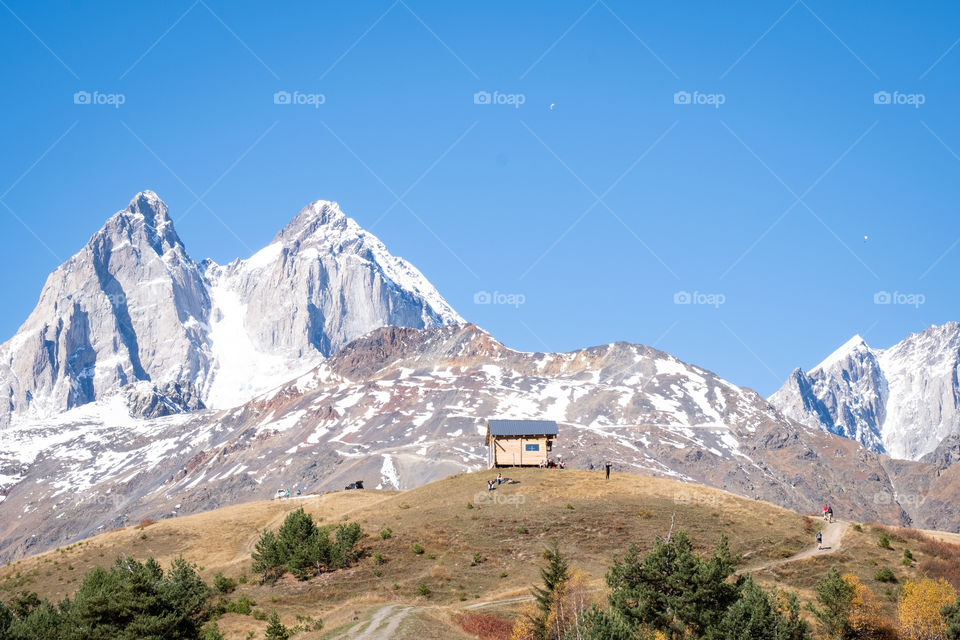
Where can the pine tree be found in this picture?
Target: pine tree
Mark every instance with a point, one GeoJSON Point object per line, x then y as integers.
{"type": "Point", "coordinates": [275, 630]}
{"type": "Point", "coordinates": [555, 573]}
{"type": "Point", "coordinates": [951, 616]}
{"type": "Point", "coordinates": [672, 589]}
{"type": "Point", "coordinates": [267, 557]}
{"type": "Point", "coordinates": [345, 539]}
{"type": "Point", "coordinates": [293, 540]}
{"type": "Point", "coordinates": [759, 615]}
{"type": "Point", "coordinates": [835, 596]}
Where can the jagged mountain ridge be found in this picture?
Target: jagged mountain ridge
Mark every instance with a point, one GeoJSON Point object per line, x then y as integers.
{"type": "Point", "coordinates": [399, 407]}
{"type": "Point", "coordinates": [902, 401]}
{"type": "Point", "coordinates": [132, 306]}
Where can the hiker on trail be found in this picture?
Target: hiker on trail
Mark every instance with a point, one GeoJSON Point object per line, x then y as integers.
{"type": "Point", "coordinates": [607, 465]}
{"type": "Point", "coordinates": [499, 478]}
{"type": "Point", "coordinates": [819, 541]}
{"type": "Point", "coordinates": [825, 509]}
{"type": "Point", "coordinates": [829, 514]}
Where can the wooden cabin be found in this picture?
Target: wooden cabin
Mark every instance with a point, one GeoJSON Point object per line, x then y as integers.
{"type": "Point", "coordinates": [520, 443]}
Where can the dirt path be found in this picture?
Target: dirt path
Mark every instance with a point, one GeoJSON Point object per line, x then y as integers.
{"type": "Point", "coordinates": [832, 542]}
{"type": "Point", "coordinates": [383, 624]}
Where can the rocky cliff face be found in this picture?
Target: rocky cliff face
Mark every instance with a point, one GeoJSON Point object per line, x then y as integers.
{"type": "Point", "coordinates": [132, 306]}
{"type": "Point", "coordinates": [902, 401]}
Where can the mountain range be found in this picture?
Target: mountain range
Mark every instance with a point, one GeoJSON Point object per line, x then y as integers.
{"type": "Point", "coordinates": [147, 385]}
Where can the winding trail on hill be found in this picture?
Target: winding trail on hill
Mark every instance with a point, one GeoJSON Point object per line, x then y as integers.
{"type": "Point", "coordinates": [833, 533]}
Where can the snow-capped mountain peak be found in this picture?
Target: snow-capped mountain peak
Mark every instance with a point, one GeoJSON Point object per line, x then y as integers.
{"type": "Point", "coordinates": [902, 401]}
{"type": "Point", "coordinates": [133, 306]}
{"type": "Point", "coordinates": [851, 346]}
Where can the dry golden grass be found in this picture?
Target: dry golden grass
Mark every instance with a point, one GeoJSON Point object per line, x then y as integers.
{"type": "Point", "coordinates": [591, 519]}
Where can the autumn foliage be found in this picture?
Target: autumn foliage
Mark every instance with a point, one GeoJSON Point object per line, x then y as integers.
{"type": "Point", "coordinates": [919, 611]}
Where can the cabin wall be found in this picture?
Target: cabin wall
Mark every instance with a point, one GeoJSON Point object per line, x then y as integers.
{"type": "Point", "coordinates": [516, 451]}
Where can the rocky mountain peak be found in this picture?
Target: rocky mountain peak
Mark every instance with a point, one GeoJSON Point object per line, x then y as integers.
{"type": "Point", "coordinates": [145, 217]}
{"type": "Point", "coordinates": [321, 217]}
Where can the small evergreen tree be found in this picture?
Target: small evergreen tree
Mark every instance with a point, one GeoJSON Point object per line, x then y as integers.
{"type": "Point", "coordinates": [293, 539]}
{"type": "Point", "coordinates": [951, 616]}
{"type": "Point", "coordinates": [835, 596]}
{"type": "Point", "coordinates": [275, 630]}
{"type": "Point", "coordinates": [342, 551]}
{"type": "Point", "coordinates": [671, 589]}
{"type": "Point", "coordinates": [267, 557]}
{"type": "Point", "coordinates": [759, 615]}
{"type": "Point", "coordinates": [555, 573]}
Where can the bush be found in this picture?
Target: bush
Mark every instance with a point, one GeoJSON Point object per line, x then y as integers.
{"type": "Point", "coordinates": [521, 529]}
{"type": "Point", "coordinates": [304, 549]}
{"type": "Point", "coordinates": [423, 590]}
{"type": "Point", "coordinates": [477, 559]}
{"type": "Point", "coordinates": [223, 584]}
{"type": "Point", "coordinates": [386, 532]}
{"type": "Point", "coordinates": [884, 574]}
{"type": "Point", "coordinates": [857, 527]}
{"type": "Point", "coordinates": [883, 541]}
{"type": "Point", "coordinates": [242, 605]}
{"type": "Point", "coordinates": [378, 558]}
{"type": "Point", "coordinates": [485, 626]}
{"type": "Point", "coordinates": [417, 548]}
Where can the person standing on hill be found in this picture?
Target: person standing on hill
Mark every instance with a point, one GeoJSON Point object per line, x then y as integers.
{"type": "Point", "coordinates": [829, 514]}
{"type": "Point", "coordinates": [819, 541]}
{"type": "Point", "coordinates": [607, 466]}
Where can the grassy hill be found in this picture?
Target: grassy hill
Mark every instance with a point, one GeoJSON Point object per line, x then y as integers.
{"type": "Point", "coordinates": [481, 550]}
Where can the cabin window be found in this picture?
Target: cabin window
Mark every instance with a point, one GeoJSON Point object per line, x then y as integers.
{"type": "Point", "coordinates": [533, 447]}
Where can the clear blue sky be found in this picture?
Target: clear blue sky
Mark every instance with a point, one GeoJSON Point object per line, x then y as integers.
{"type": "Point", "coordinates": [764, 199]}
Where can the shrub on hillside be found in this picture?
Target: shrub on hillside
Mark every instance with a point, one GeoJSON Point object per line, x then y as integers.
{"type": "Point", "coordinates": [884, 574]}
{"type": "Point", "coordinates": [304, 549]}
{"type": "Point", "coordinates": [223, 584]}
{"type": "Point", "coordinates": [485, 626]}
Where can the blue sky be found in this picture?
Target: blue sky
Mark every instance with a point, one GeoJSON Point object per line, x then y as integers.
{"type": "Point", "coordinates": [780, 199]}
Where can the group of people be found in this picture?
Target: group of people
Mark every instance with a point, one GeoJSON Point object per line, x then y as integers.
{"type": "Point", "coordinates": [827, 517]}
{"type": "Point", "coordinates": [550, 463]}
{"type": "Point", "coordinates": [493, 484]}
